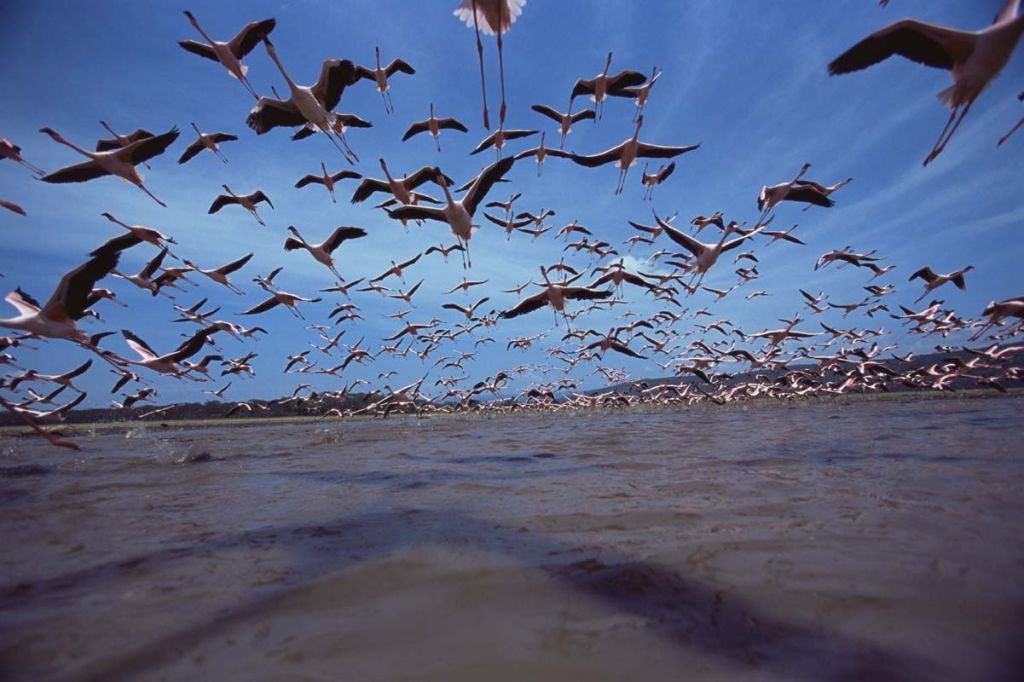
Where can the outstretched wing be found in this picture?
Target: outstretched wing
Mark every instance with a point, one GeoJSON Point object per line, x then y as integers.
{"type": "Point", "coordinates": [340, 234]}
{"type": "Point", "coordinates": [527, 305]}
{"type": "Point", "coordinates": [271, 113]}
{"type": "Point", "coordinates": [70, 299]}
{"type": "Point", "coordinates": [654, 151]}
{"type": "Point", "coordinates": [80, 172]}
{"type": "Point", "coordinates": [335, 76]}
{"type": "Point", "coordinates": [484, 182]}
{"type": "Point", "coordinates": [918, 41]}
{"type": "Point", "coordinates": [415, 129]}
{"type": "Point", "coordinates": [201, 49]}
{"type": "Point", "coordinates": [250, 36]}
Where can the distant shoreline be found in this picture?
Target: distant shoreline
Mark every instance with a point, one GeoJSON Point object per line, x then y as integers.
{"type": "Point", "coordinates": [175, 424]}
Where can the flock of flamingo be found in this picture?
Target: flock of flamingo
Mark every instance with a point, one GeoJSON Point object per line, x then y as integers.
{"type": "Point", "coordinates": [973, 58]}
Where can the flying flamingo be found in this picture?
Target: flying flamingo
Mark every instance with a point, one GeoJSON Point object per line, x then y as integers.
{"type": "Point", "coordinates": [381, 75]}
{"type": "Point", "coordinates": [495, 17]}
{"type": "Point", "coordinates": [246, 201]}
{"type": "Point", "coordinates": [9, 150]}
{"type": "Point", "coordinates": [564, 121]}
{"type": "Point", "coordinates": [602, 85]}
{"type": "Point", "coordinates": [230, 54]}
{"type": "Point", "coordinates": [120, 162]}
{"type": "Point", "coordinates": [973, 58]}
{"type": "Point", "coordinates": [118, 140]}
{"type": "Point", "coordinates": [323, 251]}
{"type": "Point", "coordinates": [207, 141]}
{"type": "Point", "coordinates": [626, 153]}
{"type": "Point", "coordinates": [309, 106]}
{"type": "Point", "coordinates": [555, 294]}
{"type": "Point", "coordinates": [459, 214]}
{"type": "Point", "coordinates": [934, 281]}
{"type": "Point", "coordinates": [69, 301]}
{"type": "Point", "coordinates": [327, 180]}
{"type": "Point", "coordinates": [434, 126]}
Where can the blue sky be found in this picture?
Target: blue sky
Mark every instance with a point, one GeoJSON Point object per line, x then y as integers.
{"type": "Point", "coordinates": [750, 86]}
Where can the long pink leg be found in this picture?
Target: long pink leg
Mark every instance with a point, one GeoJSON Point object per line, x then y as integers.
{"type": "Point", "coordinates": [480, 56]}
{"type": "Point", "coordinates": [938, 142]}
{"type": "Point", "coordinates": [951, 133]}
{"type": "Point", "coordinates": [151, 195]}
{"type": "Point", "coordinates": [1006, 137]}
{"type": "Point", "coordinates": [501, 61]}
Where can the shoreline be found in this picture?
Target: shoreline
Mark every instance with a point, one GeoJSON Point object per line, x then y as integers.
{"type": "Point", "coordinates": [176, 424]}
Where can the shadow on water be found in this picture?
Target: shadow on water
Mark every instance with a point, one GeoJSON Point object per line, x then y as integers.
{"type": "Point", "coordinates": [695, 615]}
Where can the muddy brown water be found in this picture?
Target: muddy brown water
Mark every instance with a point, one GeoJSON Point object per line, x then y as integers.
{"type": "Point", "coordinates": [862, 541]}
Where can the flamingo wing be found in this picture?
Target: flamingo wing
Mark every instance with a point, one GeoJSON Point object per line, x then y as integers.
{"type": "Point", "coordinates": [368, 187]}
{"type": "Point", "coordinates": [654, 151]}
{"type": "Point", "coordinates": [70, 298]}
{"type": "Point", "coordinates": [335, 76]}
{"type": "Point", "coordinates": [924, 43]}
{"type": "Point", "coordinates": [340, 234]}
{"type": "Point", "coordinates": [201, 49]}
{"type": "Point", "coordinates": [145, 149]}
{"type": "Point", "coordinates": [80, 172]}
{"type": "Point", "coordinates": [484, 182]}
{"type": "Point", "coordinates": [138, 345]}
{"type": "Point", "coordinates": [251, 36]}
{"type": "Point", "coordinates": [415, 129]}
{"type": "Point", "coordinates": [399, 65]}
{"type": "Point", "coordinates": [271, 113]}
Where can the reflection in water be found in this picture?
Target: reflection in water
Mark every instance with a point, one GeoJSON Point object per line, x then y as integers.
{"type": "Point", "coordinates": [816, 542]}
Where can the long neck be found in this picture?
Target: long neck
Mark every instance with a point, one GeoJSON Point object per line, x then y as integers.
{"type": "Point", "coordinates": [273, 55]}
{"type": "Point", "coordinates": [202, 32]}
{"type": "Point", "coordinates": [74, 146]}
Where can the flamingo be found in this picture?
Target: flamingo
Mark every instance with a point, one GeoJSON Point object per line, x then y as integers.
{"type": "Point", "coordinates": [495, 17]}
{"type": "Point", "coordinates": [541, 153]}
{"type": "Point", "coordinates": [67, 304]}
{"type": "Point", "coordinates": [309, 106]}
{"type": "Point", "coordinates": [934, 281]}
{"type": "Point", "coordinates": [498, 137]}
{"type": "Point", "coordinates": [230, 54]}
{"type": "Point", "coordinates": [434, 126]}
{"type": "Point", "coordinates": [9, 150]}
{"type": "Point", "coordinates": [144, 280]}
{"type": "Point", "coordinates": [323, 251]}
{"type": "Point", "coordinates": [643, 92]}
{"type": "Point", "coordinates": [381, 75]}
{"type": "Point", "coordinates": [654, 179]}
{"type": "Point", "coordinates": [327, 180]}
{"type": "Point", "coordinates": [626, 153]}
{"type": "Point", "coordinates": [401, 189]}
{"type": "Point", "coordinates": [555, 294]}
{"type": "Point", "coordinates": [602, 85]}
{"type": "Point", "coordinates": [459, 214]}
{"type": "Point", "coordinates": [167, 363]}
{"type": "Point", "coordinates": [220, 275]}
{"type": "Point", "coordinates": [145, 234]}
{"type": "Point", "coordinates": [706, 254]}
{"type": "Point", "coordinates": [564, 121]}
{"type": "Point", "coordinates": [803, 191]}
{"type": "Point", "coordinates": [120, 162]}
{"type": "Point", "coordinates": [118, 140]}
{"type": "Point", "coordinates": [246, 201]}
{"type": "Point", "coordinates": [207, 141]}
{"type": "Point", "coordinates": [281, 298]}
{"type": "Point", "coordinates": [973, 58]}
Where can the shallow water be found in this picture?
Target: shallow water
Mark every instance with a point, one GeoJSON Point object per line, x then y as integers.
{"type": "Point", "coordinates": [865, 541]}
